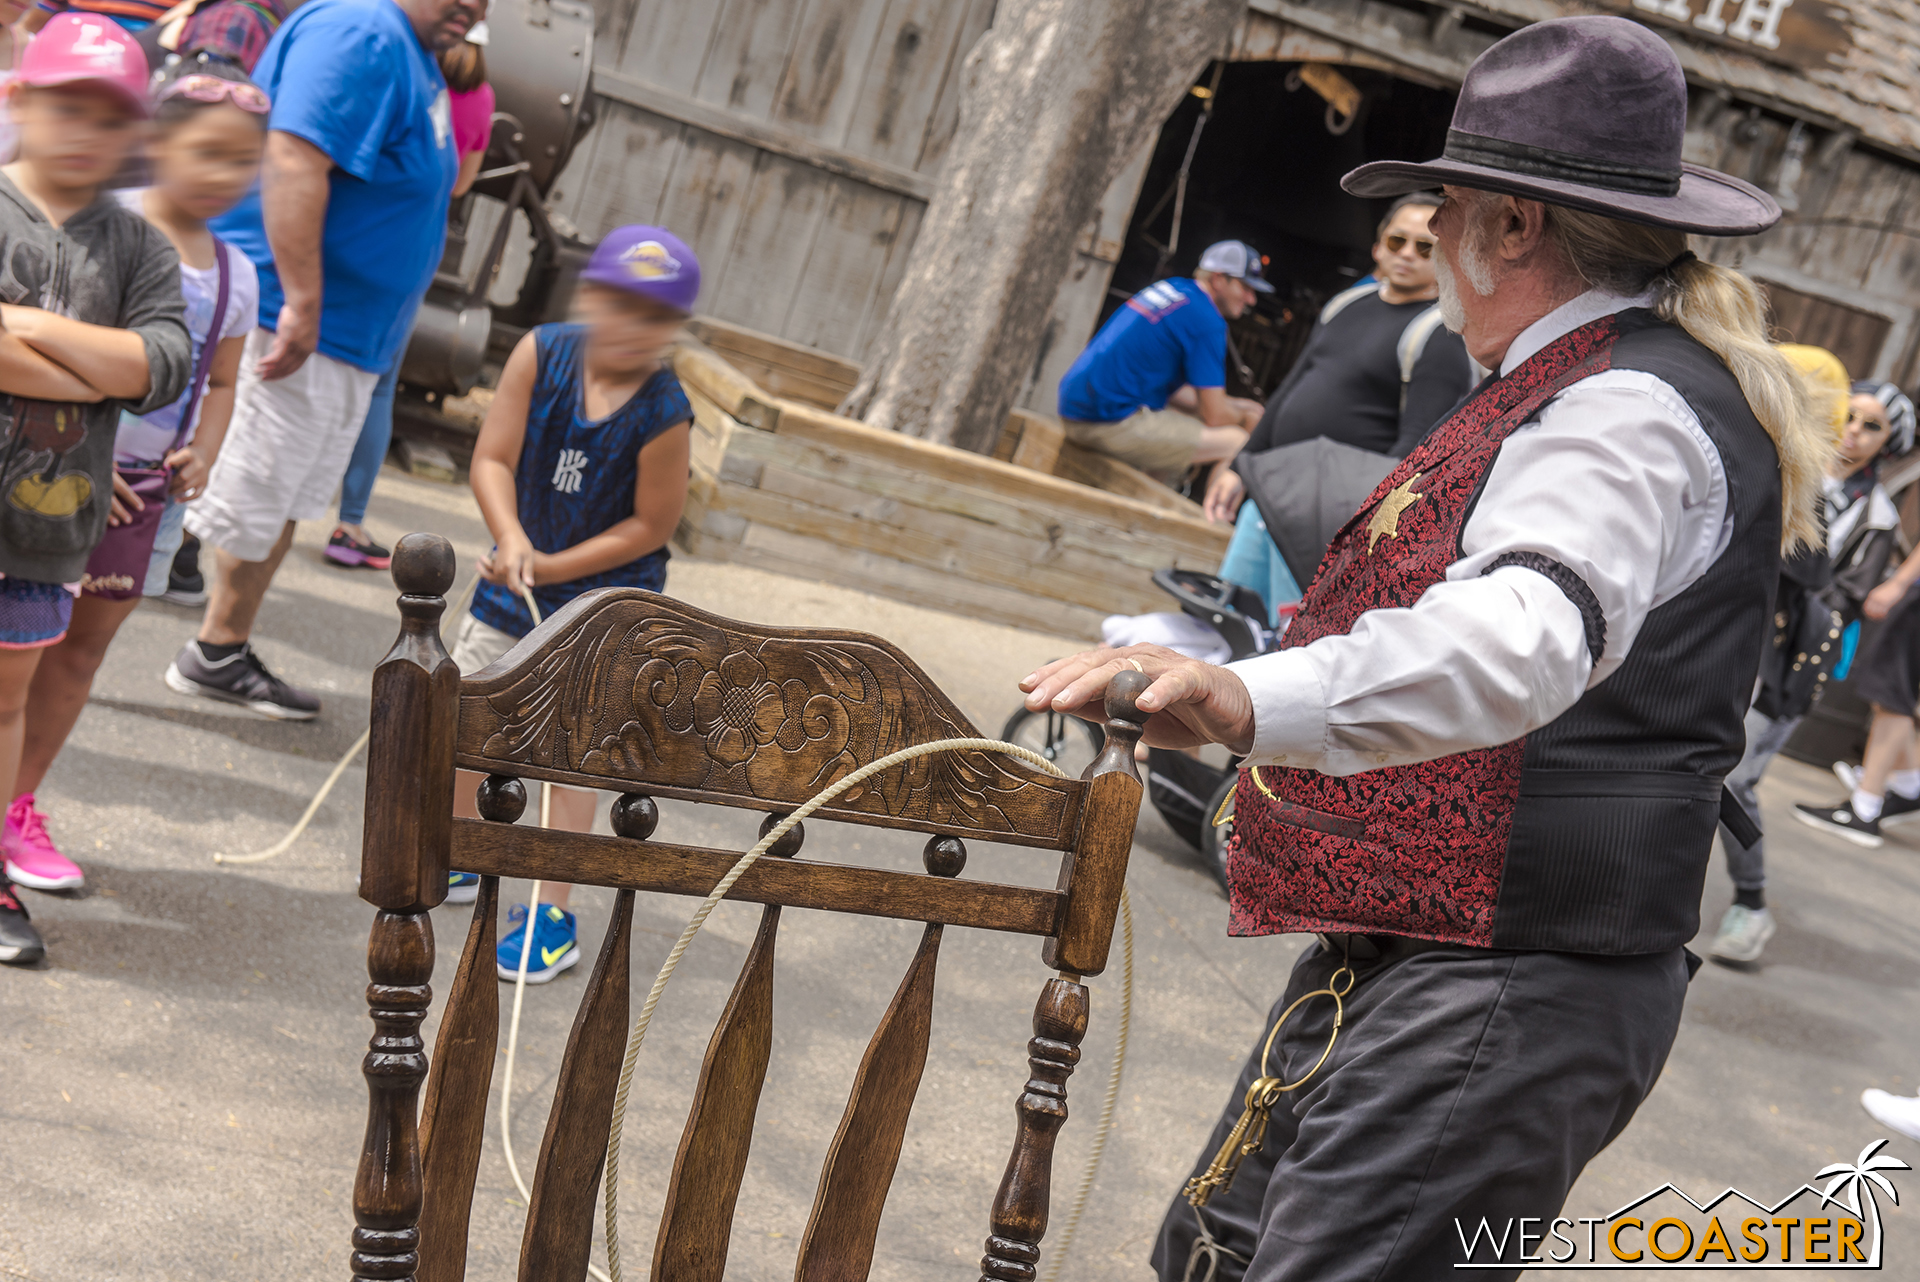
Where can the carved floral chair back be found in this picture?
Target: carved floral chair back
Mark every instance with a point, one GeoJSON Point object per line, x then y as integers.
{"type": "Point", "coordinates": [635, 693]}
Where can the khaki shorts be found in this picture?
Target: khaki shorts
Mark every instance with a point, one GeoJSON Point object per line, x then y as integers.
{"type": "Point", "coordinates": [476, 644]}
{"type": "Point", "coordinates": [287, 448]}
{"type": "Point", "coordinates": [1160, 443]}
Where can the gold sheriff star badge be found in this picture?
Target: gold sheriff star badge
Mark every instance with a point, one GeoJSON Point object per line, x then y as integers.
{"type": "Point", "coordinates": [1386, 517]}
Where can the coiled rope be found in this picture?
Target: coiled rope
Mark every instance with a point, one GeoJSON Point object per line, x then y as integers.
{"type": "Point", "coordinates": [1102, 1128]}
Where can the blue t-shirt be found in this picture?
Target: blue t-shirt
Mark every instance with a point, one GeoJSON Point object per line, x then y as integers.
{"type": "Point", "coordinates": [350, 77]}
{"type": "Point", "coordinates": [1167, 335]}
{"type": "Point", "coordinates": [577, 475]}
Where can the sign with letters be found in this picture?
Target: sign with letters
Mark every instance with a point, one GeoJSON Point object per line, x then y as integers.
{"type": "Point", "coordinates": [1801, 33]}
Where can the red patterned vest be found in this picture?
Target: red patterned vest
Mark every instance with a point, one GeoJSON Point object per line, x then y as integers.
{"type": "Point", "coordinates": [1589, 835]}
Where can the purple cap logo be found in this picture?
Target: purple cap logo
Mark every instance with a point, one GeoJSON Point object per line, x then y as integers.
{"type": "Point", "coordinates": [650, 261]}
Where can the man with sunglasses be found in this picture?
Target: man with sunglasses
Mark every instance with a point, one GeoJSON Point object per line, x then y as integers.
{"type": "Point", "coordinates": [1379, 370]}
{"type": "Point", "coordinates": [346, 227]}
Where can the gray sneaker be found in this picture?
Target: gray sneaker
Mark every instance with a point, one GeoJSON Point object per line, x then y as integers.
{"type": "Point", "coordinates": [1743, 933]}
{"type": "Point", "coordinates": [1848, 774]}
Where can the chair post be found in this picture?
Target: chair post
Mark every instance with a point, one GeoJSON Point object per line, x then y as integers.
{"type": "Point", "coordinates": [1093, 872]}
{"type": "Point", "coordinates": [1020, 1207]}
{"type": "Point", "coordinates": [404, 860]}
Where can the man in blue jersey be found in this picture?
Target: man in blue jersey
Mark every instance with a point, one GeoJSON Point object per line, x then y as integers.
{"type": "Point", "coordinates": [1150, 389]}
{"type": "Point", "coordinates": [346, 227]}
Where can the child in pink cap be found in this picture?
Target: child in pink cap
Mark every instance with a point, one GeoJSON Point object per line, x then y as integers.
{"type": "Point", "coordinates": [100, 327]}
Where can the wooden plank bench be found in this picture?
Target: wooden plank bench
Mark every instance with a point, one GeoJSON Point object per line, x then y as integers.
{"type": "Point", "coordinates": [1043, 535]}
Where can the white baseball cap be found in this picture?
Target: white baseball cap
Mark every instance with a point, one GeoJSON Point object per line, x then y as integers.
{"type": "Point", "coordinates": [1238, 259]}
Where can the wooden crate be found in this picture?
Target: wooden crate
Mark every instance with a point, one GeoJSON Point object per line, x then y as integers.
{"type": "Point", "coordinates": [782, 484]}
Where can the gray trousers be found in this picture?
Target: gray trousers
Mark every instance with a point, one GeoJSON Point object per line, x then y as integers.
{"type": "Point", "coordinates": [1466, 1082]}
{"type": "Point", "coordinates": [1748, 864]}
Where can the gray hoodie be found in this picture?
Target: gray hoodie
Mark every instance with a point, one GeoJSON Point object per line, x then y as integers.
{"type": "Point", "coordinates": [106, 266]}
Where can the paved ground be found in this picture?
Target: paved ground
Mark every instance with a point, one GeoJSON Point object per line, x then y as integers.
{"type": "Point", "coordinates": [183, 1098]}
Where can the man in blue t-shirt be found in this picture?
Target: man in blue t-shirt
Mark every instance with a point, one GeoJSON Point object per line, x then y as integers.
{"type": "Point", "coordinates": [346, 227]}
{"type": "Point", "coordinates": [1150, 389]}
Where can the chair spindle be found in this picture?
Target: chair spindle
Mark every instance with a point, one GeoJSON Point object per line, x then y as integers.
{"type": "Point", "coordinates": [838, 1243]}
{"type": "Point", "coordinates": [559, 1236]}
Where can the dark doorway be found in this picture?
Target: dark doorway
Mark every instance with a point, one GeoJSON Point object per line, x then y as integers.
{"type": "Point", "coordinates": [1267, 171]}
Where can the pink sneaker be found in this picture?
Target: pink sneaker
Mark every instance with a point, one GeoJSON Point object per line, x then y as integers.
{"type": "Point", "coordinates": [32, 859]}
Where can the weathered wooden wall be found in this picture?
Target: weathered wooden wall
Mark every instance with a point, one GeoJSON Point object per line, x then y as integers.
{"type": "Point", "coordinates": [1851, 240]}
{"type": "Point", "coordinates": [789, 142]}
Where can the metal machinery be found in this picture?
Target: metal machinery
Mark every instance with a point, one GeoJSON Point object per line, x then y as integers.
{"type": "Point", "coordinates": [540, 63]}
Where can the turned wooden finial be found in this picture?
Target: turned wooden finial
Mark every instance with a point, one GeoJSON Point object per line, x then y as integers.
{"type": "Point", "coordinates": [1123, 725]}
{"type": "Point", "coordinates": [423, 565]}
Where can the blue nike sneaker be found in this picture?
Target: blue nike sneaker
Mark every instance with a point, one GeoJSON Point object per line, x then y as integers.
{"type": "Point", "coordinates": [555, 944]}
{"type": "Point", "coordinates": [462, 887]}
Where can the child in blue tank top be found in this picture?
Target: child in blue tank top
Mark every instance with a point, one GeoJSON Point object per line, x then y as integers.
{"type": "Point", "coordinates": [581, 472]}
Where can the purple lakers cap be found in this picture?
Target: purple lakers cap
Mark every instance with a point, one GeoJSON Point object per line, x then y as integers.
{"type": "Point", "coordinates": [650, 261]}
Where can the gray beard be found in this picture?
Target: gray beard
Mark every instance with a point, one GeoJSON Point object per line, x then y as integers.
{"type": "Point", "coordinates": [1452, 314]}
{"type": "Point", "coordinates": [1479, 276]}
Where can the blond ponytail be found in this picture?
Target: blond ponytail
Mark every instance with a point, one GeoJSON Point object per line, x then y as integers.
{"type": "Point", "coordinates": [1725, 312]}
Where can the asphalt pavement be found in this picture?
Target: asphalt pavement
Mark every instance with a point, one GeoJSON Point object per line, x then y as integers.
{"type": "Point", "coordinates": [182, 1095]}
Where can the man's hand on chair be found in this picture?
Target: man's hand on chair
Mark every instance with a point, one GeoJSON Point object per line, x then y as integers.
{"type": "Point", "coordinates": [1192, 702]}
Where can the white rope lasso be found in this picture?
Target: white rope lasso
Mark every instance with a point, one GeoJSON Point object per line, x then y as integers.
{"type": "Point", "coordinates": [285, 844]}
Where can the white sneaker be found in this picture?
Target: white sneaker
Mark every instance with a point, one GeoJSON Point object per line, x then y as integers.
{"type": "Point", "coordinates": [1848, 775]}
{"type": "Point", "coordinates": [1743, 933]}
{"type": "Point", "coordinates": [1900, 1112]}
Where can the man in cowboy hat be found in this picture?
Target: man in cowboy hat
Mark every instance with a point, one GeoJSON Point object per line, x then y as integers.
{"type": "Point", "coordinates": [1486, 770]}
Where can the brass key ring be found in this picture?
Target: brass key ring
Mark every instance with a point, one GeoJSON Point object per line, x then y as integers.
{"type": "Point", "coordinates": [1334, 989]}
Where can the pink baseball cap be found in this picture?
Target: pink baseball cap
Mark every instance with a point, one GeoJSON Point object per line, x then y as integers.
{"type": "Point", "coordinates": [85, 48]}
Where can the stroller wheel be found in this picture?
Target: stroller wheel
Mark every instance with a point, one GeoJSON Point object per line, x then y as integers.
{"type": "Point", "coordinates": [1213, 839]}
{"type": "Point", "coordinates": [1068, 742]}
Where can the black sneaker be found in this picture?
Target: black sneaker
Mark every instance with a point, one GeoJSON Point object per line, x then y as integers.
{"type": "Point", "coordinates": [1841, 821]}
{"type": "Point", "coordinates": [239, 678]}
{"type": "Point", "coordinates": [185, 584]}
{"type": "Point", "coordinates": [20, 943]}
{"type": "Point", "coordinates": [1897, 809]}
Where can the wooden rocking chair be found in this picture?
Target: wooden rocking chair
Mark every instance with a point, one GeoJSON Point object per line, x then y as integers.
{"type": "Point", "coordinates": [636, 693]}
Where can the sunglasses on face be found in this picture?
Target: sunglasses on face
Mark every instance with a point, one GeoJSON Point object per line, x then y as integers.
{"type": "Point", "coordinates": [1396, 242]}
{"type": "Point", "coordinates": [213, 89]}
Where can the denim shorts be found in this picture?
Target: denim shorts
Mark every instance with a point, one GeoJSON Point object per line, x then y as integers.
{"type": "Point", "coordinates": [33, 615]}
{"type": "Point", "coordinates": [168, 536]}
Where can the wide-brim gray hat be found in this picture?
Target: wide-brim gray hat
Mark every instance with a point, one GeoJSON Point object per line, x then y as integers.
{"type": "Point", "coordinates": [1588, 113]}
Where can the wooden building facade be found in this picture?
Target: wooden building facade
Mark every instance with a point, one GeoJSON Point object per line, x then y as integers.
{"type": "Point", "coordinates": [793, 144]}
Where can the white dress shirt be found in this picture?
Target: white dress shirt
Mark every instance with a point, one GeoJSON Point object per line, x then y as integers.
{"type": "Point", "coordinates": [1616, 479]}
